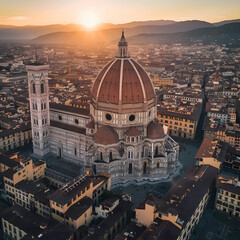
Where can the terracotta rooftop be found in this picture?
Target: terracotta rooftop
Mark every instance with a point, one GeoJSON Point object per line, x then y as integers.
{"type": "Point", "coordinates": [67, 127]}
{"type": "Point", "coordinates": [106, 135]}
{"type": "Point", "coordinates": [70, 109]}
{"type": "Point", "coordinates": [133, 132]}
{"type": "Point", "coordinates": [207, 148]}
{"type": "Point", "coordinates": [123, 81]}
{"type": "Point", "coordinates": [155, 130]}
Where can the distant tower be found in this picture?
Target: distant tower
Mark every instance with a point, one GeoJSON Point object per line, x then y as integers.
{"type": "Point", "coordinates": [122, 47]}
{"type": "Point", "coordinates": [39, 106]}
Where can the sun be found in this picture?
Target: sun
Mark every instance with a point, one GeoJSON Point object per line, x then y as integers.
{"type": "Point", "coordinates": [90, 20]}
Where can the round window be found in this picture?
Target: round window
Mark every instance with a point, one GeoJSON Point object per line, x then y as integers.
{"type": "Point", "coordinates": [131, 118]}
{"type": "Point", "coordinates": [108, 117]}
{"type": "Point", "coordinates": [60, 118]}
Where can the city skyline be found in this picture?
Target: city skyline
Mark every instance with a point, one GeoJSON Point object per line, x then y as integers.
{"type": "Point", "coordinates": [92, 13]}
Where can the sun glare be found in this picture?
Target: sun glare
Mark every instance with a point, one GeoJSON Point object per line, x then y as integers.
{"type": "Point", "coordinates": [89, 20]}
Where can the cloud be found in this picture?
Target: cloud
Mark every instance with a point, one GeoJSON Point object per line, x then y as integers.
{"type": "Point", "coordinates": [18, 18]}
{"type": "Point", "coordinates": [15, 18]}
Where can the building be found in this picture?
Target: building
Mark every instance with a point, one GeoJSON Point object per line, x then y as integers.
{"type": "Point", "coordinates": [19, 223]}
{"type": "Point", "coordinates": [229, 133]}
{"type": "Point", "coordinates": [187, 94]}
{"type": "Point", "coordinates": [20, 169]}
{"type": "Point", "coordinates": [15, 137]}
{"type": "Point", "coordinates": [212, 152]}
{"type": "Point", "coordinates": [117, 218]}
{"type": "Point", "coordinates": [183, 204]}
{"type": "Point", "coordinates": [120, 135]}
{"type": "Point", "coordinates": [27, 185]}
{"type": "Point", "coordinates": [73, 203]}
{"type": "Point", "coordinates": [181, 118]}
{"type": "Point", "coordinates": [162, 82]}
{"type": "Point", "coordinates": [218, 154]}
{"type": "Point", "coordinates": [228, 195]}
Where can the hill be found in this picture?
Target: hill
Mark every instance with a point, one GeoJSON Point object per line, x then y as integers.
{"type": "Point", "coordinates": [108, 35]}
{"type": "Point", "coordinates": [226, 34]}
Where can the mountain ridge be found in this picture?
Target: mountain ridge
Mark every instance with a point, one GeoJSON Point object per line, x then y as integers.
{"type": "Point", "coordinates": [112, 34]}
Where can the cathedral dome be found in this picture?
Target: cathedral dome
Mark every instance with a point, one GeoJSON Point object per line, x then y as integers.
{"type": "Point", "coordinates": [123, 80]}
{"type": "Point", "coordinates": [155, 130]}
{"type": "Point", "coordinates": [106, 135]}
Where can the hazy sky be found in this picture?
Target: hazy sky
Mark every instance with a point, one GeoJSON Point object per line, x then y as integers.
{"type": "Point", "coordinates": [41, 12]}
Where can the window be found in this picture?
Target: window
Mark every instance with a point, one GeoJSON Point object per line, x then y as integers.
{"type": "Point", "coordinates": [34, 88]}
{"type": "Point", "coordinates": [131, 118]}
{"type": "Point", "coordinates": [233, 195]}
{"type": "Point", "coordinates": [130, 168]}
{"type": "Point", "coordinates": [108, 117]}
{"type": "Point", "coordinates": [42, 88]}
{"type": "Point", "coordinates": [130, 154]}
{"type": "Point", "coordinates": [60, 118]}
{"type": "Point", "coordinates": [76, 121]}
{"type": "Point", "coordinates": [110, 157]}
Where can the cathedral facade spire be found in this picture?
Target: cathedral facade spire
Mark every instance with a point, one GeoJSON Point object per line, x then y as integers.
{"type": "Point", "coordinates": [122, 47]}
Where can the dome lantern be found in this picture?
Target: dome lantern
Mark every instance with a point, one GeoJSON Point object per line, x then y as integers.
{"type": "Point", "coordinates": [122, 47]}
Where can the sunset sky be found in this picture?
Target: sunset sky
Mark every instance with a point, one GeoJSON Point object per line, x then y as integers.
{"type": "Point", "coordinates": [42, 12]}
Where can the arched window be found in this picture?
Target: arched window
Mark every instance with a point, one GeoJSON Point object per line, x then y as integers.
{"type": "Point", "coordinates": [132, 139]}
{"type": "Point", "coordinates": [101, 156]}
{"type": "Point", "coordinates": [145, 168]}
{"type": "Point", "coordinates": [42, 88]}
{"type": "Point", "coordinates": [156, 151]}
{"type": "Point", "coordinates": [33, 88]}
{"type": "Point", "coordinates": [130, 168]}
{"type": "Point", "coordinates": [158, 165]}
{"type": "Point", "coordinates": [130, 153]}
{"type": "Point", "coordinates": [75, 151]}
{"type": "Point", "coordinates": [110, 157]}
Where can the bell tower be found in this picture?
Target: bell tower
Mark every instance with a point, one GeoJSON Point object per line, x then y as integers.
{"type": "Point", "coordinates": [39, 107]}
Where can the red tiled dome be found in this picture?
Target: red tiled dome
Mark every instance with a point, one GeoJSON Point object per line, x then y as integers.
{"type": "Point", "coordinates": [155, 130]}
{"type": "Point", "coordinates": [106, 135]}
{"type": "Point", "coordinates": [123, 81]}
{"type": "Point", "coordinates": [133, 132]}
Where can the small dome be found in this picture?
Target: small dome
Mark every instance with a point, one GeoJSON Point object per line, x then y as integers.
{"type": "Point", "coordinates": [155, 130]}
{"type": "Point", "coordinates": [133, 132]}
{"type": "Point", "coordinates": [106, 135]}
{"type": "Point", "coordinates": [90, 125]}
